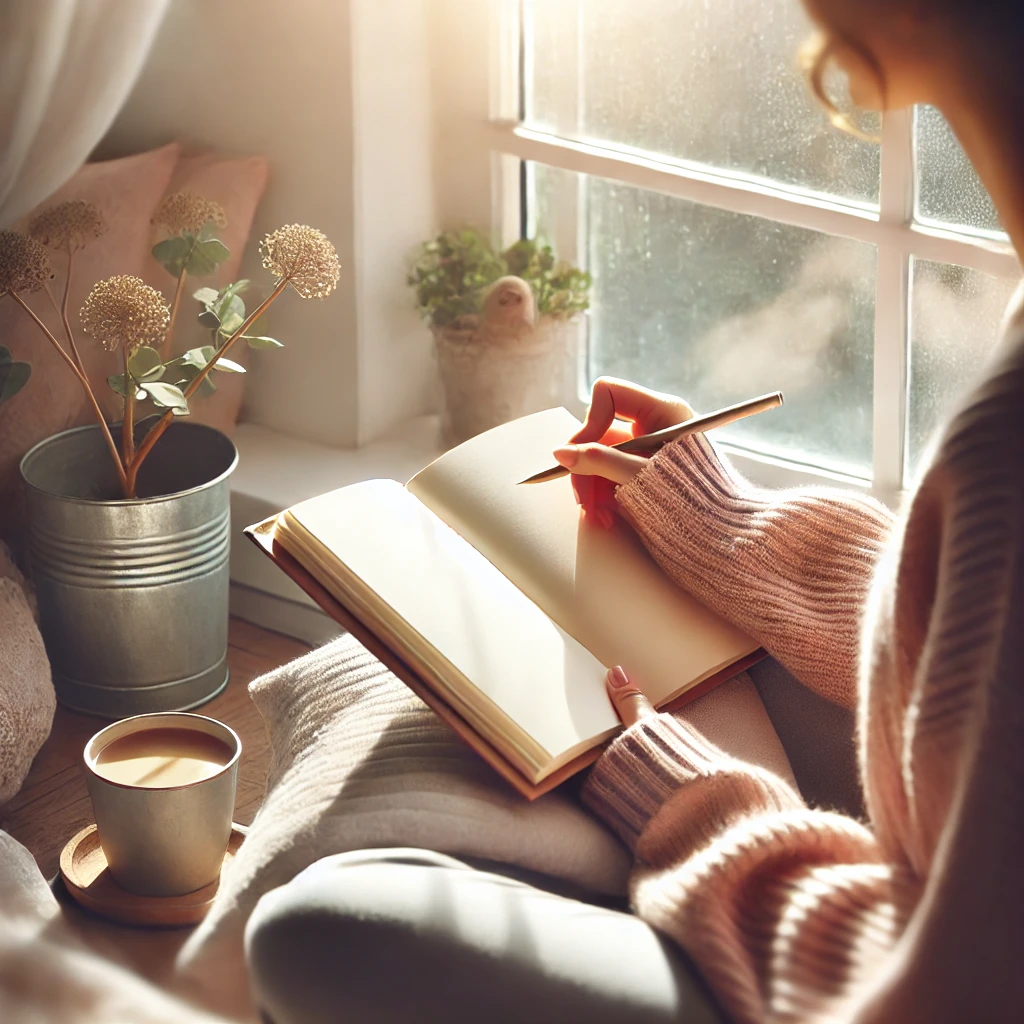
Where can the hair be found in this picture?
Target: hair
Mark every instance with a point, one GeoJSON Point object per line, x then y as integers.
{"type": "Point", "coordinates": [815, 56]}
{"type": "Point", "coordinates": [985, 19]}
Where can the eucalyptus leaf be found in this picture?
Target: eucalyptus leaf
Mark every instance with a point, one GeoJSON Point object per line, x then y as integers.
{"type": "Point", "coordinates": [209, 319]}
{"type": "Point", "coordinates": [187, 372]}
{"type": "Point", "coordinates": [143, 362]}
{"type": "Point", "coordinates": [263, 342]}
{"type": "Point", "coordinates": [13, 377]}
{"type": "Point", "coordinates": [166, 396]}
{"type": "Point", "coordinates": [194, 357]}
{"type": "Point", "coordinates": [230, 324]}
{"type": "Point", "coordinates": [117, 385]}
{"type": "Point", "coordinates": [236, 288]}
{"type": "Point", "coordinates": [206, 256]}
{"type": "Point", "coordinates": [228, 365]}
{"type": "Point", "coordinates": [207, 296]}
{"type": "Point", "coordinates": [173, 253]}
{"type": "Point", "coordinates": [229, 305]}
{"type": "Point", "coordinates": [231, 311]}
{"type": "Point", "coordinates": [5, 356]}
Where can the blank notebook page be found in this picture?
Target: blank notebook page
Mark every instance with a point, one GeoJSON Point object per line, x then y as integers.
{"type": "Point", "coordinates": [602, 586]}
{"type": "Point", "coordinates": [530, 668]}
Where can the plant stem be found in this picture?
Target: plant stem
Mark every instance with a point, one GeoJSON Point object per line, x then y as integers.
{"type": "Point", "coordinates": [64, 312]}
{"type": "Point", "coordinates": [164, 422]}
{"type": "Point", "coordinates": [85, 384]}
{"type": "Point", "coordinates": [165, 348]}
{"type": "Point", "coordinates": [128, 424]}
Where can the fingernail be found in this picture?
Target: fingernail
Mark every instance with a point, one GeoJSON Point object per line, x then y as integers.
{"type": "Point", "coordinates": [618, 678]}
{"type": "Point", "coordinates": [567, 456]}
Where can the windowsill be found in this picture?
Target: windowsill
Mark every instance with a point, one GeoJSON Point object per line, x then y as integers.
{"type": "Point", "coordinates": [276, 471]}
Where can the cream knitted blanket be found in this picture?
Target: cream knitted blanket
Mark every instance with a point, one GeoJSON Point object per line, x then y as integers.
{"type": "Point", "coordinates": [27, 701]}
{"type": "Point", "coordinates": [48, 977]}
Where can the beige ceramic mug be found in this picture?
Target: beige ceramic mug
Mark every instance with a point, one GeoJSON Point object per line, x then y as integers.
{"type": "Point", "coordinates": [163, 790]}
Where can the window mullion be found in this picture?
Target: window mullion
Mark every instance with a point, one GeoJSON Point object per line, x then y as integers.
{"type": "Point", "coordinates": [891, 308]}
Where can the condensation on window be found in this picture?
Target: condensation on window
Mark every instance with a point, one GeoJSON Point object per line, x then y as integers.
{"type": "Point", "coordinates": [949, 192]}
{"type": "Point", "coordinates": [720, 307]}
{"type": "Point", "coordinates": [955, 317]}
{"type": "Point", "coordinates": [712, 82]}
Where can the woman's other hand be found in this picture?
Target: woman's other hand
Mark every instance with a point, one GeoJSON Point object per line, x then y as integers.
{"type": "Point", "coordinates": [597, 469]}
{"type": "Point", "coordinates": [627, 699]}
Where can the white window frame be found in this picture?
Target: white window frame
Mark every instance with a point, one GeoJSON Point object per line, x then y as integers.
{"type": "Point", "coordinates": [891, 228]}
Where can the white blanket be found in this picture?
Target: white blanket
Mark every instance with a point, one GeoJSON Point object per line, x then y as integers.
{"type": "Point", "coordinates": [358, 761]}
{"type": "Point", "coordinates": [48, 977]}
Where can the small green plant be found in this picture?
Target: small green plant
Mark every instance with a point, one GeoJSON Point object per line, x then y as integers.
{"type": "Point", "coordinates": [13, 375]}
{"type": "Point", "coordinates": [129, 317]}
{"type": "Point", "coordinates": [452, 273]}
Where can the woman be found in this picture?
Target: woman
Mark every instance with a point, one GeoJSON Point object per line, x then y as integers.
{"type": "Point", "coordinates": [918, 620]}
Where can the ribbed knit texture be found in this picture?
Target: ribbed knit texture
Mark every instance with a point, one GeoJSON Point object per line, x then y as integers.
{"type": "Point", "coordinates": [801, 915]}
{"type": "Point", "coordinates": [359, 761]}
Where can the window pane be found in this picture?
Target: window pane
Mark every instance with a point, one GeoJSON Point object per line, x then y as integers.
{"type": "Point", "coordinates": [948, 191]}
{"type": "Point", "coordinates": [713, 82]}
{"type": "Point", "coordinates": [955, 319]}
{"type": "Point", "coordinates": [719, 307]}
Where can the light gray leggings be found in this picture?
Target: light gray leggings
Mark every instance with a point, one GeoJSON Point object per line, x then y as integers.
{"type": "Point", "coordinates": [412, 936]}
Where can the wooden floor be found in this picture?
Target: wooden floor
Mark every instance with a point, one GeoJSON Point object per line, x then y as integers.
{"type": "Point", "coordinates": [54, 803]}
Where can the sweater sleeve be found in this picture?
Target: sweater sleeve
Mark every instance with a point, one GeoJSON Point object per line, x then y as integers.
{"type": "Point", "coordinates": [791, 568]}
{"type": "Point", "coordinates": [725, 854]}
{"type": "Point", "coordinates": [659, 755]}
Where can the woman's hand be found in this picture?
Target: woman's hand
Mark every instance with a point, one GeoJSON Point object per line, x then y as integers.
{"type": "Point", "coordinates": [597, 468]}
{"type": "Point", "coordinates": [627, 699]}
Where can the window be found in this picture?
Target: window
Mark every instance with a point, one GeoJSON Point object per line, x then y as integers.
{"type": "Point", "coordinates": [739, 244]}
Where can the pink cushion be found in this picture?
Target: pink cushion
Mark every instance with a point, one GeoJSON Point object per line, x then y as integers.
{"type": "Point", "coordinates": [127, 191]}
{"type": "Point", "coordinates": [238, 185]}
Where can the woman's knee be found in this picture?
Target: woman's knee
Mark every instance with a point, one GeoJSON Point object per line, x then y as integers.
{"type": "Point", "coordinates": [322, 947]}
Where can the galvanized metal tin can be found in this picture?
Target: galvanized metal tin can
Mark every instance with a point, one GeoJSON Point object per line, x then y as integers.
{"type": "Point", "coordinates": [133, 593]}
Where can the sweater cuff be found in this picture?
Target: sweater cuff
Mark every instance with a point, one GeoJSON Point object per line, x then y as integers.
{"type": "Point", "coordinates": [642, 768]}
{"type": "Point", "coordinates": [691, 471]}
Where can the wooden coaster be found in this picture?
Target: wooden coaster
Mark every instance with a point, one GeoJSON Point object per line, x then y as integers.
{"type": "Point", "coordinates": [83, 867]}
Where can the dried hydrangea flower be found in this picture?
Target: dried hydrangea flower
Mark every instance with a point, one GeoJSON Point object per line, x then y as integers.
{"type": "Point", "coordinates": [304, 257]}
{"type": "Point", "coordinates": [69, 225]}
{"type": "Point", "coordinates": [182, 212]}
{"type": "Point", "coordinates": [24, 264]}
{"type": "Point", "coordinates": [124, 311]}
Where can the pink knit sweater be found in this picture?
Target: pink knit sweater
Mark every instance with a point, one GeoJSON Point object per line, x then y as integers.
{"type": "Point", "coordinates": [795, 914]}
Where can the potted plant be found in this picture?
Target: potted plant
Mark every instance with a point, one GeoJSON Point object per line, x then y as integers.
{"type": "Point", "coordinates": [128, 523]}
{"type": "Point", "coordinates": [501, 324]}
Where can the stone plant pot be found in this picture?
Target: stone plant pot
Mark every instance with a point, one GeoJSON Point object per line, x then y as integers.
{"type": "Point", "coordinates": [501, 365]}
{"type": "Point", "coordinates": [133, 593]}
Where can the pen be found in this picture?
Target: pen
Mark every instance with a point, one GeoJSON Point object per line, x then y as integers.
{"type": "Point", "coordinates": [648, 444]}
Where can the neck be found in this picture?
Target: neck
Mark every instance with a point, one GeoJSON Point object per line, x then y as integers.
{"type": "Point", "coordinates": [987, 114]}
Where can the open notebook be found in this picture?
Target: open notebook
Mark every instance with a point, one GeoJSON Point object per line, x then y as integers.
{"type": "Point", "coordinates": [499, 604]}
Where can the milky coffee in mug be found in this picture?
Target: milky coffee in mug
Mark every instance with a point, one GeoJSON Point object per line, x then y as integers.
{"type": "Point", "coordinates": [163, 789]}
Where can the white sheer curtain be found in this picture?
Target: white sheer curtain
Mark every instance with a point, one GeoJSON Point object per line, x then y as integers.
{"type": "Point", "coordinates": [66, 67]}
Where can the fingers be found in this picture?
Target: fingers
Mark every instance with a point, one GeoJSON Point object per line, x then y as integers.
{"type": "Point", "coordinates": [628, 700]}
{"type": "Point", "coordinates": [613, 398]}
{"type": "Point", "coordinates": [597, 498]}
{"type": "Point", "coordinates": [597, 460]}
